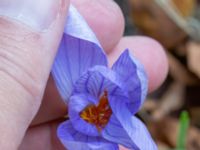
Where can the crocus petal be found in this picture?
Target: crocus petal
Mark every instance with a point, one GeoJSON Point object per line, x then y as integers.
{"type": "Point", "coordinates": [97, 80]}
{"type": "Point", "coordinates": [134, 79]}
{"type": "Point", "coordinates": [133, 126]}
{"type": "Point", "coordinates": [94, 82]}
{"type": "Point", "coordinates": [77, 103]}
{"type": "Point", "coordinates": [73, 140]}
{"type": "Point", "coordinates": [78, 51]}
{"type": "Point", "coordinates": [115, 132]}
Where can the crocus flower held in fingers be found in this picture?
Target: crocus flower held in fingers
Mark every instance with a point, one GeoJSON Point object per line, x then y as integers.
{"type": "Point", "coordinates": [101, 101]}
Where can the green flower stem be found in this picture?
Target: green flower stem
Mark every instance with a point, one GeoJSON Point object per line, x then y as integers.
{"type": "Point", "coordinates": [184, 125]}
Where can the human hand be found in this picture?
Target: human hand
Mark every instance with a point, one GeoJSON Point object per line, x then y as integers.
{"type": "Point", "coordinates": [26, 57]}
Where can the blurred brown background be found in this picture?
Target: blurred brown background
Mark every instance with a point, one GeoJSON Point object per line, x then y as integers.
{"type": "Point", "coordinates": [175, 24]}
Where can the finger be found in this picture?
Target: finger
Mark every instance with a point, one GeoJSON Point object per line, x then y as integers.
{"type": "Point", "coordinates": [30, 32]}
{"type": "Point", "coordinates": [150, 53]}
{"type": "Point", "coordinates": [44, 137]}
{"type": "Point", "coordinates": [52, 107]}
{"type": "Point", "coordinates": [105, 18]}
{"type": "Point", "coordinates": [122, 148]}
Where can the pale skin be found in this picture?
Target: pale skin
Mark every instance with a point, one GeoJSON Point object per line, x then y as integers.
{"type": "Point", "coordinates": [27, 119]}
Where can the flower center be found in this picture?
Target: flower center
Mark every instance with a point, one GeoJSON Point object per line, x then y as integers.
{"type": "Point", "coordinates": [98, 115]}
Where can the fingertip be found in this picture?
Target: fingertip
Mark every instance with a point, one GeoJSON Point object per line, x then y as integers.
{"type": "Point", "coordinates": [153, 56]}
{"type": "Point", "coordinates": [150, 53]}
{"type": "Point", "coordinates": [122, 148]}
{"type": "Point", "coordinates": [105, 18]}
{"type": "Point", "coordinates": [42, 137]}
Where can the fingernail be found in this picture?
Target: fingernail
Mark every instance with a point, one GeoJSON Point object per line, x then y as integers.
{"type": "Point", "coordinates": [39, 14]}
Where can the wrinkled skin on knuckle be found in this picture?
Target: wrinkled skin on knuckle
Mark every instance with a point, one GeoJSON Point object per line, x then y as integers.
{"type": "Point", "coordinates": [18, 58]}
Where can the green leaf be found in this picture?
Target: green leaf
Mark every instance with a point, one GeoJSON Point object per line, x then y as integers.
{"type": "Point", "coordinates": [184, 124]}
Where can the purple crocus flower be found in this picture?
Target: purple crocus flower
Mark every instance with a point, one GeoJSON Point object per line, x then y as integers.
{"type": "Point", "coordinates": [101, 101]}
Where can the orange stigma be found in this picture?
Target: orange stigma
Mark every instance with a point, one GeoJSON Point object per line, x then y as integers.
{"type": "Point", "coordinates": [98, 115]}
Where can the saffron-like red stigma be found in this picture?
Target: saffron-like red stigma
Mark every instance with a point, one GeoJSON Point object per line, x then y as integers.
{"type": "Point", "coordinates": [98, 115]}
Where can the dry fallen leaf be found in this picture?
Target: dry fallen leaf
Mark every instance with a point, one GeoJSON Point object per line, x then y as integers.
{"type": "Point", "coordinates": [193, 57]}
{"type": "Point", "coordinates": [186, 7]}
{"type": "Point", "coordinates": [180, 73]}
{"type": "Point", "coordinates": [172, 100]}
{"type": "Point", "coordinates": [195, 115]}
{"type": "Point", "coordinates": [166, 130]}
{"type": "Point", "coordinates": [153, 21]}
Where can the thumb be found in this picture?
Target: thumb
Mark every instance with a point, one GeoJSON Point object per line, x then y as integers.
{"type": "Point", "coordinates": [30, 32]}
